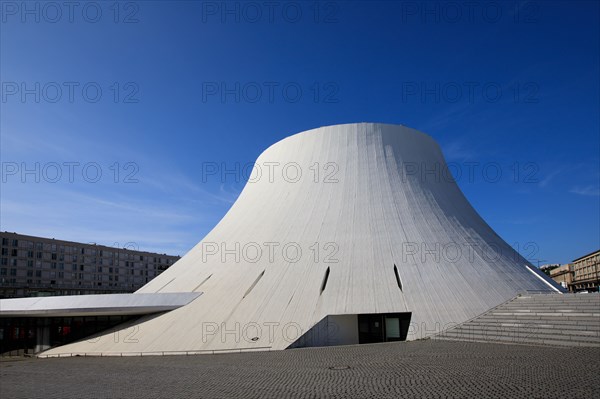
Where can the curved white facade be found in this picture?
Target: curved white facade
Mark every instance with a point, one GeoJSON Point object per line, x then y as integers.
{"type": "Point", "coordinates": [361, 201]}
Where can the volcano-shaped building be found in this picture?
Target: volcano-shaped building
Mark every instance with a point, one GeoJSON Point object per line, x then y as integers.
{"type": "Point", "coordinates": [343, 234]}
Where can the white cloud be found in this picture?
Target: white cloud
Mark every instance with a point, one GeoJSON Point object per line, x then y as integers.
{"type": "Point", "coordinates": [592, 191]}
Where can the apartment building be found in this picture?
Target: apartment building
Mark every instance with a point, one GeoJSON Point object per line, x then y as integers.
{"type": "Point", "coordinates": [586, 272]}
{"type": "Point", "coordinates": [37, 266]}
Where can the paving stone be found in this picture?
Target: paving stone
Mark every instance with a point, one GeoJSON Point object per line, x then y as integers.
{"type": "Point", "coordinates": [424, 369]}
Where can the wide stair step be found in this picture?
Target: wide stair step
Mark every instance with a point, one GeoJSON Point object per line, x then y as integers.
{"type": "Point", "coordinates": [543, 319]}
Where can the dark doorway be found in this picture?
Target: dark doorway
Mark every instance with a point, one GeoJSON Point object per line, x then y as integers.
{"type": "Point", "coordinates": [382, 327]}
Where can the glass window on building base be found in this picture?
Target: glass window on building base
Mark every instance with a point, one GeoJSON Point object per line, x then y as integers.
{"type": "Point", "coordinates": [382, 327]}
{"type": "Point", "coordinates": [352, 329]}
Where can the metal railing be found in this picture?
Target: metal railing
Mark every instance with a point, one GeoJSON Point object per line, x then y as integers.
{"type": "Point", "coordinates": [537, 292]}
{"type": "Point", "coordinates": [158, 353]}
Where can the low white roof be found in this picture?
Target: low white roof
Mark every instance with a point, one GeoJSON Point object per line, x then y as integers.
{"type": "Point", "coordinates": [95, 305]}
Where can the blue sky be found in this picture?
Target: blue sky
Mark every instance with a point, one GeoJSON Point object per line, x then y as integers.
{"type": "Point", "coordinates": [508, 86]}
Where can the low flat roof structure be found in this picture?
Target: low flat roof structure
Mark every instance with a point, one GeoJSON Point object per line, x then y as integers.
{"type": "Point", "coordinates": [95, 305]}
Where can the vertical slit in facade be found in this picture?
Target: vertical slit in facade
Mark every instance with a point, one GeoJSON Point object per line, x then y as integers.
{"type": "Point", "coordinates": [203, 281]}
{"type": "Point", "coordinates": [398, 278]}
{"type": "Point", "coordinates": [324, 281]}
{"type": "Point", "coordinates": [254, 284]}
{"type": "Point", "coordinates": [170, 281]}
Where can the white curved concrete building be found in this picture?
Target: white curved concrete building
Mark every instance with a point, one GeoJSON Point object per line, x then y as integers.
{"type": "Point", "coordinates": [349, 233]}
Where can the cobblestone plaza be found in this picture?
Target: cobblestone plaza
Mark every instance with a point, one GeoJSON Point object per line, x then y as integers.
{"type": "Point", "coordinates": [428, 369]}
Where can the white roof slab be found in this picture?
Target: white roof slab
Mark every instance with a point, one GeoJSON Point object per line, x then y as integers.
{"type": "Point", "coordinates": [95, 305]}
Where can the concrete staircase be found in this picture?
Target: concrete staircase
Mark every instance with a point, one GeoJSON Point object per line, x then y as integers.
{"type": "Point", "coordinates": [538, 319]}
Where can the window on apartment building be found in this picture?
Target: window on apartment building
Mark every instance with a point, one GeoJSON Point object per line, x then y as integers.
{"type": "Point", "coordinates": [29, 273]}
{"type": "Point", "coordinates": [13, 252]}
{"type": "Point", "coordinates": [4, 261]}
{"type": "Point", "coordinates": [4, 251]}
{"type": "Point", "coordinates": [4, 241]}
{"type": "Point", "coordinates": [39, 255]}
{"type": "Point", "coordinates": [13, 262]}
{"type": "Point", "coordinates": [15, 243]}
{"type": "Point", "coordinates": [29, 263]}
{"type": "Point", "coordinates": [30, 254]}
{"type": "Point", "coordinates": [53, 265]}
{"type": "Point", "coordinates": [53, 257]}
{"type": "Point", "coordinates": [13, 272]}
{"type": "Point", "coordinates": [3, 271]}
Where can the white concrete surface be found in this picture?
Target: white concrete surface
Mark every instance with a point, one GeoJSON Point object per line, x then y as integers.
{"type": "Point", "coordinates": [94, 305]}
{"type": "Point", "coordinates": [366, 210]}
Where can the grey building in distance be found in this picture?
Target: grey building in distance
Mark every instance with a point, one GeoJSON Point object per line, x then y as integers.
{"type": "Point", "coordinates": [37, 266]}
